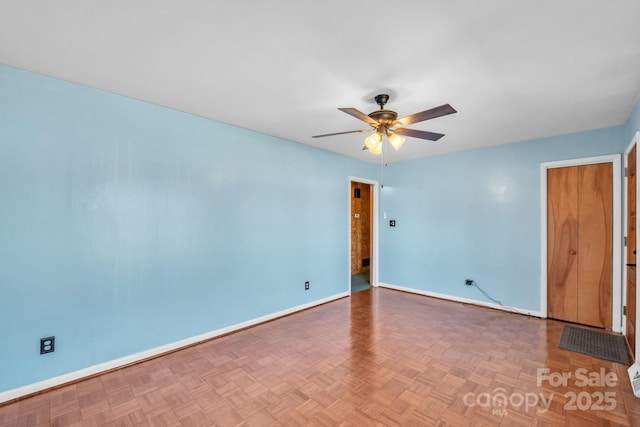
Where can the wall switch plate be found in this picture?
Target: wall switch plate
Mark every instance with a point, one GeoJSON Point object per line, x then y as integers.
{"type": "Point", "coordinates": [306, 286]}
{"type": "Point", "coordinates": [392, 223]}
{"type": "Point", "coordinates": [47, 345]}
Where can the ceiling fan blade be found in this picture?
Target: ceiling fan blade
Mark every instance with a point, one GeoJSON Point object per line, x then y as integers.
{"type": "Point", "coordinates": [431, 136]}
{"type": "Point", "coordinates": [359, 115]}
{"type": "Point", "coordinates": [342, 133]}
{"type": "Point", "coordinates": [440, 111]}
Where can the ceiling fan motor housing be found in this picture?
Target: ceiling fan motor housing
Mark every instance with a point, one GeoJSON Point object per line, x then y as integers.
{"type": "Point", "coordinates": [386, 118]}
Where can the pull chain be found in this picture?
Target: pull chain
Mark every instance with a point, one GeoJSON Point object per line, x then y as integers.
{"type": "Point", "coordinates": [382, 165]}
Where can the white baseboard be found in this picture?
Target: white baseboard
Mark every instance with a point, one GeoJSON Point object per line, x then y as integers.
{"type": "Point", "coordinates": [26, 390]}
{"type": "Point", "coordinates": [524, 311]}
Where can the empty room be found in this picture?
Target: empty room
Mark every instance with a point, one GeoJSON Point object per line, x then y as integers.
{"type": "Point", "coordinates": [283, 213]}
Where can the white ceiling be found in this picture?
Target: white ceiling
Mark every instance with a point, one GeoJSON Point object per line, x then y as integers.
{"type": "Point", "coordinates": [514, 70]}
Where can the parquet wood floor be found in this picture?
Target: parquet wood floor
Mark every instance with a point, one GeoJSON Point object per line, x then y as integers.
{"type": "Point", "coordinates": [381, 357]}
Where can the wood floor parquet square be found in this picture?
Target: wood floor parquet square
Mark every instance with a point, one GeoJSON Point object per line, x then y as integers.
{"type": "Point", "coordinates": [381, 357]}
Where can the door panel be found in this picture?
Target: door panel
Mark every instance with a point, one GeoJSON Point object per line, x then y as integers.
{"type": "Point", "coordinates": [562, 238]}
{"type": "Point", "coordinates": [631, 249]}
{"type": "Point", "coordinates": [631, 309]}
{"type": "Point", "coordinates": [595, 246]}
{"type": "Point", "coordinates": [360, 227]}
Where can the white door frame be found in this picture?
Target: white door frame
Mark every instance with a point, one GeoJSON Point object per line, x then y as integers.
{"type": "Point", "coordinates": [616, 293]}
{"type": "Point", "coordinates": [634, 141]}
{"type": "Point", "coordinates": [374, 231]}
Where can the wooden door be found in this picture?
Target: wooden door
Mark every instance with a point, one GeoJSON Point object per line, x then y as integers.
{"type": "Point", "coordinates": [631, 250]}
{"type": "Point", "coordinates": [361, 231]}
{"type": "Point", "coordinates": [580, 244]}
{"type": "Point", "coordinates": [562, 243]}
{"type": "Point", "coordinates": [595, 244]}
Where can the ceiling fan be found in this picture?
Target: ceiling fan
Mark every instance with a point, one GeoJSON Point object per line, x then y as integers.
{"type": "Point", "coordinates": [386, 122]}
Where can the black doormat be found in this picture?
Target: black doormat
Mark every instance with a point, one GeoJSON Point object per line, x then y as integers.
{"type": "Point", "coordinates": [598, 344]}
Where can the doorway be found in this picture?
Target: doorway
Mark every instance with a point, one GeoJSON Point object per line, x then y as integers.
{"type": "Point", "coordinates": [581, 244]}
{"type": "Point", "coordinates": [362, 234]}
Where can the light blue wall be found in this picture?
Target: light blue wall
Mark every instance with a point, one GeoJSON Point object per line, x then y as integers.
{"type": "Point", "coordinates": [476, 214]}
{"type": "Point", "coordinates": [125, 226]}
{"type": "Point", "coordinates": [633, 124]}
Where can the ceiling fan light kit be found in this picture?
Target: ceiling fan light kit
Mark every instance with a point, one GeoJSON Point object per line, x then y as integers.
{"type": "Point", "coordinates": [396, 141]}
{"type": "Point", "coordinates": [373, 142]}
{"type": "Point", "coordinates": [385, 122]}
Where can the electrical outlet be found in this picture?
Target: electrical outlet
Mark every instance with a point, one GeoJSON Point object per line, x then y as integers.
{"type": "Point", "coordinates": [47, 345]}
{"type": "Point", "coordinates": [392, 223]}
{"type": "Point", "coordinates": [468, 282]}
{"type": "Point", "coordinates": [306, 286]}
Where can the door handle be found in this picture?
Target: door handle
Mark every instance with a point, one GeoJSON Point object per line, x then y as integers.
{"type": "Point", "coordinates": [631, 265]}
